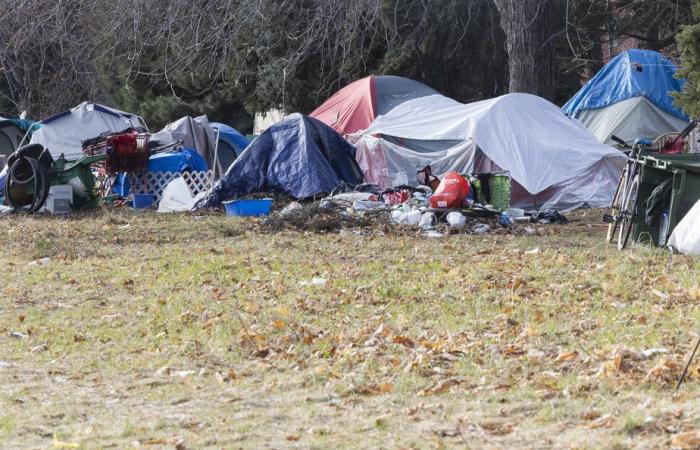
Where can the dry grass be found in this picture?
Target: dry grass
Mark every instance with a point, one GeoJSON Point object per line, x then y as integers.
{"type": "Point", "coordinates": [195, 332]}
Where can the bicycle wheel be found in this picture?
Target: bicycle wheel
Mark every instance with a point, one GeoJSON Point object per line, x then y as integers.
{"type": "Point", "coordinates": [628, 213]}
{"type": "Point", "coordinates": [615, 207]}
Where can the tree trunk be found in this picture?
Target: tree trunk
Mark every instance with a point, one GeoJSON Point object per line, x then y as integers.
{"type": "Point", "coordinates": [530, 26]}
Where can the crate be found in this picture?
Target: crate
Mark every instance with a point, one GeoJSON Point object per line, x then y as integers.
{"type": "Point", "coordinates": [154, 182]}
{"type": "Point", "coordinates": [684, 171]}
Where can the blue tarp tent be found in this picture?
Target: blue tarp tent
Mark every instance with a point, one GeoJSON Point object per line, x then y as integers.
{"type": "Point", "coordinates": [631, 98]}
{"type": "Point", "coordinates": [299, 156]}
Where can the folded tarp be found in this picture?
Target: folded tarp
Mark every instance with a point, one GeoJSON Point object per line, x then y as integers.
{"type": "Point", "coordinates": [553, 158]}
{"type": "Point", "coordinates": [299, 156]}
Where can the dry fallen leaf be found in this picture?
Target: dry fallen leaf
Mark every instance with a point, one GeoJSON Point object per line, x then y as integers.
{"type": "Point", "coordinates": [513, 350]}
{"type": "Point", "coordinates": [496, 428]}
{"type": "Point", "coordinates": [690, 439]}
{"type": "Point", "coordinates": [605, 421]}
{"type": "Point", "coordinates": [441, 387]}
{"type": "Point", "coordinates": [590, 414]}
{"type": "Point", "coordinates": [566, 357]}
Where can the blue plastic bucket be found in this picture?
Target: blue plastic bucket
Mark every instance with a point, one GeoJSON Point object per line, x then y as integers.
{"type": "Point", "coordinates": [142, 201]}
{"type": "Point", "coordinates": [248, 207]}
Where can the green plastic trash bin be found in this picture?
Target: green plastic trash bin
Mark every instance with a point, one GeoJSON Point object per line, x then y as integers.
{"type": "Point", "coordinates": [683, 172]}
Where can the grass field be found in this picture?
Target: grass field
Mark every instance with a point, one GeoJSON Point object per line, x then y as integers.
{"type": "Point", "coordinates": [155, 331]}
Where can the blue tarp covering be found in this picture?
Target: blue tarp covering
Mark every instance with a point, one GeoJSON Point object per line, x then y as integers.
{"type": "Point", "coordinates": [634, 73]}
{"type": "Point", "coordinates": [174, 161]}
{"type": "Point", "coordinates": [299, 156]}
{"type": "Point", "coordinates": [177, 161]}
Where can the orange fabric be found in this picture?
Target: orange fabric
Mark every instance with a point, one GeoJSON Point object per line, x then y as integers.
{"type": "Point", "coordinates": [351, 109]}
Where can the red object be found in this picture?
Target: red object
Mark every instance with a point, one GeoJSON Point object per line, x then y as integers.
{"type": "Point", "coordinates": [397, 198]}
{"type": "Point", "coordinates": [673, 146]}
{"type": "Point", "coordinates": [127, 152]}
{"type": "Point", "coordinates": [451, 193]}
{"type": "Point", "coordinates": [354, 107]}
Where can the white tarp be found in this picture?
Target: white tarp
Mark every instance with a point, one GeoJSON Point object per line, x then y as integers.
{"type": "Point", "coordinates": [686, 236]}
{"type": "Point", "coordinates": [553, 158]}
{"type": "Point", "coordinates": [630, 119]}
{"type": "Point", "coordinates": [264, 120]}
{"type": "Point", "coordinates": [64, 132]}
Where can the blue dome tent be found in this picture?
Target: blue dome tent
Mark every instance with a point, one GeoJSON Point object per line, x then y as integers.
{"type": "Point", "coordinates": [631, 97]}
{"type": "Point", "coordinates": [299, 156]}
{"type": "Point", "coordinates": [231, 144]}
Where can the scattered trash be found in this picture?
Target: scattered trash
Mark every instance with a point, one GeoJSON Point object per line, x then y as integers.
{"type": "Point", "coordinates": [434, 234]}
{"type": "Point", "coordinates": [287, 210]}
{"type": "Point", "coordinates": [456, 220]}
{"type": "Point", "coordinates": [534, 251]}
{"type": "Point", "coordinates": [505, 220]}
{"type": "Point", "coordinates": [428, 221]}
{"type": "Point", "coordinates": [314, 282]}
{"type": "Point", "coordinates": [648, 353]}
{"type": "Point", "coordinates": [402, 216]}
{"type": "Point", "coordinates": [480, 228]}
{"type": "Point", "coordinates": [368, 205]}
{"type": "Point", "coordinates": [551, 216]}
{"type": "Point", "coordinates": [17, 335]}
{"type": "Point", "coordinates": [39, 262]}
{"type": "Point", "coordinates": [515, 213]}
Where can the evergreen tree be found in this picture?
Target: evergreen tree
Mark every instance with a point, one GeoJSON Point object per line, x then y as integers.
{"type": "Point", "coordinates": [689, 46]}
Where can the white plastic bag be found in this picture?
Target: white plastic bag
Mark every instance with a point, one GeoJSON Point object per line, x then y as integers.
{"type": "Point", "coordinates": [456, 220]}
{"type": "Point", "coordinates": [428, 221]}
{"type": "Point", "coordinates": [411, 217]}
{"type": "Point", "coordinates": [686, 236]}
{"type": "Point", "coordinates": [176, 197]}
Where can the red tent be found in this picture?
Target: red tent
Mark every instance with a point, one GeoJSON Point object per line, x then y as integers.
{"type": "Point", "coordinates": [354, 107]}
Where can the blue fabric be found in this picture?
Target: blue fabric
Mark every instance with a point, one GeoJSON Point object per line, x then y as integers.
{"type": "Point", "coordinates": [299, 156]}
{"type": "Point", "coordinates": [177, 161]}
{"type": "Point", "coordinates": [634, 73]}
{"type": "Point", "coordinates": [232, 137]}
{"type": "Point", "coordinates": [173, 161]}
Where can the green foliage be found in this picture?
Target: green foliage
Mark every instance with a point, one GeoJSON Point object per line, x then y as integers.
{"type": "Point", "coordinates": [689, 45]}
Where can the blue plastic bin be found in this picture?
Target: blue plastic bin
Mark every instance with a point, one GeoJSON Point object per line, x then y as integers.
{"type": "Point", "coordinates": [143, 201]}
{"type": "Point", "coordinates": [248, 207]}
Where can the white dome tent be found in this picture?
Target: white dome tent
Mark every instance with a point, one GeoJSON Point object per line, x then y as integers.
{"type": "Point", "coordinates": [63, 133]}
{"type": "Point", "coordinates": [553, 160]}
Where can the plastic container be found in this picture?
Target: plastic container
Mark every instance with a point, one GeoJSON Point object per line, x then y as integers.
{"type": "Point", "coordinates": [499, 185]}
{"type": "Point", "coordinates": [143, 201]}
{"type": "Point", "coordinates": [451, 193]}
{"type": "Point", "coordinates": [60, 199]}
{"type": "Point", "coordinates": [248, 208]}
{"type": "Point", "coordinates": [515, 213]}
